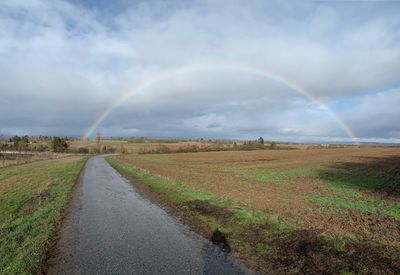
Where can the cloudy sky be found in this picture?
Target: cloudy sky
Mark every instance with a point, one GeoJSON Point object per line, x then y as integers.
{"type": "Point", "coordinates": [211, 69]}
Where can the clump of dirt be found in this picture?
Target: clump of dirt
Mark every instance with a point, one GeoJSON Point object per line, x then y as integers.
{"type": "Point", "coordinates": [207, 209]}
{"type": "Point", "coordinates": [308, 252]}
{"type": "Point", "coordinates": [369, 225]}
{"type": "Point", "coordinates": [218, 238]}
{"type": "Point", "coordinates": [254, 234]}
{"type": "Point", "coordinates": [368, 219]}
{"type": "Point", "coordinates": [30, 204]}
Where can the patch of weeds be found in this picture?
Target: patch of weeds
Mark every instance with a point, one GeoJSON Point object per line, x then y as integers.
{"type": "Point", "coordinates": [380, 207]}
{"type": "Point", "coordinates": [380, 175]}
{"type": "Point", "coordinates": [346, 192]}
{"type": "Point", "coordinates": [242, 244]}
{"type": "Point", "coordinates": [250, 217]}
{"type": "Point", "coordinates": [212, 223]}
{"type": "Point", "coordinates": [267, 174]}
{"type": "Point", "coordinates": [263, 250]}
{"type": "Point", "coordinates": [339, 243]}
{"type": "Point", "coordinates": [327, 211]}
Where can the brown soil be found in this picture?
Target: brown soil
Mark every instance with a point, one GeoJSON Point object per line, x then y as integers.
{"type": "Point", "coordinates": [366, 226]}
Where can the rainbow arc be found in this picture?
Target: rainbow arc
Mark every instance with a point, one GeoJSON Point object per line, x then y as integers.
{"type": "Point", "coordinates": [168, 73]}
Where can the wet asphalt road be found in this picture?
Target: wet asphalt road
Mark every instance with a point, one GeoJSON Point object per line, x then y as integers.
{"type": "Point", "coordinates": [111, 229]}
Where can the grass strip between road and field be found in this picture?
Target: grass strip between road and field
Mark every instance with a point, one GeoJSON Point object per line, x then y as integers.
{"type": "Point", "coordinates": [32, 198]}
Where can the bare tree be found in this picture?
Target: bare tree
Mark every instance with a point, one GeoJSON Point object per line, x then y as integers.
{"type": "Point", "coordinates": [98, 140]}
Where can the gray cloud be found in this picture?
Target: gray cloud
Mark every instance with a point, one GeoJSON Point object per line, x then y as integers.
{"type": "Point", "coordinates": [62, 64]}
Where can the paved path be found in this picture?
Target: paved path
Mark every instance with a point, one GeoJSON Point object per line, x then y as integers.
{"type": "Point", "coordinates": [111, 229]}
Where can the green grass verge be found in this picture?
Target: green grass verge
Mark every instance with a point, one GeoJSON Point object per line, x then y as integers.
{"type": "Point", "coordinates": [32, 197]}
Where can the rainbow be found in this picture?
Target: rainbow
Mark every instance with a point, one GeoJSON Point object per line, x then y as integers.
{"type": "Point", "coordinates": [163, 75]}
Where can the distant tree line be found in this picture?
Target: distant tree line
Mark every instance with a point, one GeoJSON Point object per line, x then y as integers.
{"type": "Point", "coordinates": [38, 144]}
{"type": "Point", "coordinates": [211, 146]}
{"type": "Point", "coordinates": [19, 143]}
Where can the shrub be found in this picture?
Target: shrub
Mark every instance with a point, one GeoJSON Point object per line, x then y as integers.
{"type": "Point", "coordinates": [42, 148]}
{"type": "Point", "coordinates": [94, 150]}
{"type": "Point", "coordinates": [108, 150]}
{"type": "Point", "coordinates": [59, 144]}
{"type": "Point", "coordinates": [82, 150]}
{"type": "Point", "coordinates": [123, 150]}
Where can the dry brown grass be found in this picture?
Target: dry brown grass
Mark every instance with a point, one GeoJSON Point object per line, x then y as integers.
{"type": "Point", "coordinates": [7, 159]}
